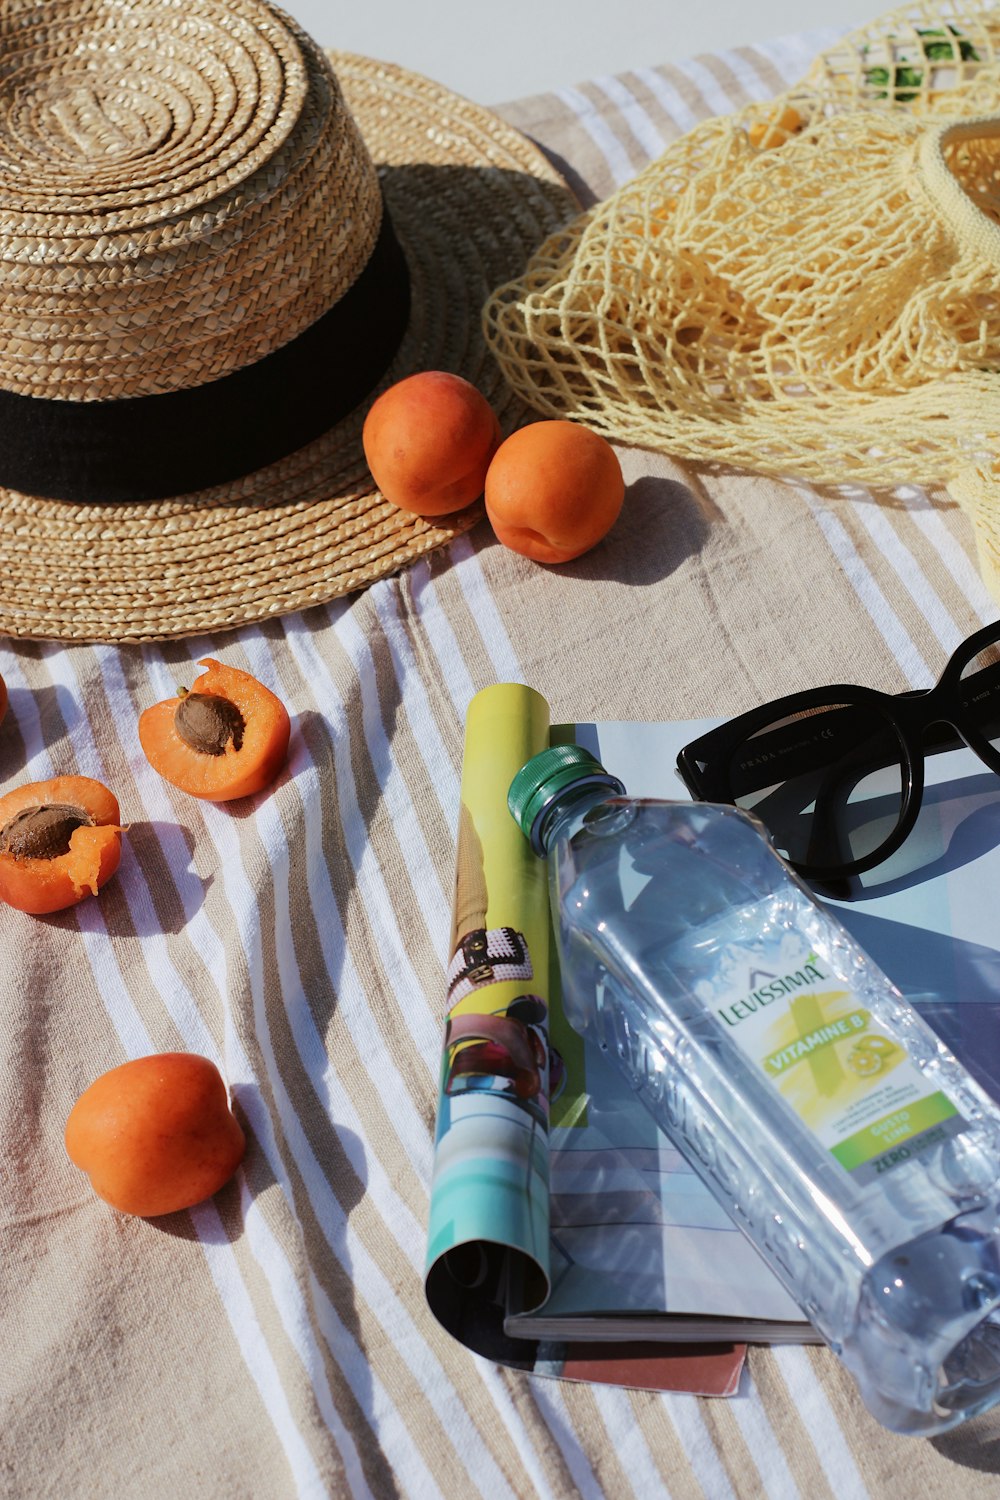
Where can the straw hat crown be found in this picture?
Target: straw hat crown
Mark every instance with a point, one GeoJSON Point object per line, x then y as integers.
{"type": "Point", "coordinates": [165, 206]}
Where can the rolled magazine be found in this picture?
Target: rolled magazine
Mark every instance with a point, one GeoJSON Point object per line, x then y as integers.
{"type": "Point", "coordinates": [488, 1236]}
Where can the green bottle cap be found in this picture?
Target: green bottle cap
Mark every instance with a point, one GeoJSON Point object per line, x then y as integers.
{"type": "Point", "coordinates": [544, 776]}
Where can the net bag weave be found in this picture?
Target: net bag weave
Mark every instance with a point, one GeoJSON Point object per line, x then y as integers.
{"type": "Point", "coordinates": [807, 287]}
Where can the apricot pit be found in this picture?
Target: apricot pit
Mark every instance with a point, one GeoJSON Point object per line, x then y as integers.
{"type": "Point", "coordinates": [43, 832]}
{"type": "Point", "coordinates": [209, 723]}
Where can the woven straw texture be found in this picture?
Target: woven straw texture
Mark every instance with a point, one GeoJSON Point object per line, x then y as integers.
{"type": "Point", "coordinates": [179, 169]}
{"type": "Point", "coordinates": [183, 189]}
{"type": "Point", "coordinates": [805, 287]}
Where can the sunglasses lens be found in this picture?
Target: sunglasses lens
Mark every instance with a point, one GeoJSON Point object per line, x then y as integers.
{"type": "Point", "coordinates": [828, 783]}
{"type": "Point", "coordinates": [980, 689]}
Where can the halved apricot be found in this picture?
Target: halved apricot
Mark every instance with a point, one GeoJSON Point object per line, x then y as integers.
{"type": "Point", "coordinates": [60, 840]}
{"type": "Point", "coordinates": [226, 738]}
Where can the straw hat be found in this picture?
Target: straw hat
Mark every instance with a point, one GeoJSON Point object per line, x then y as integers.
{"type": "Point", "coordinates": [201, 289]}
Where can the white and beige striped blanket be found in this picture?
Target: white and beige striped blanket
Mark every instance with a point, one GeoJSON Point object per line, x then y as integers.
{"type": "Point", "coordinates": [275, 1341]}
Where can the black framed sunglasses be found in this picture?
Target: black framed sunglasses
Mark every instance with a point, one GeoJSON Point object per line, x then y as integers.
{"type": "Point", "coordinates": [836, 774]}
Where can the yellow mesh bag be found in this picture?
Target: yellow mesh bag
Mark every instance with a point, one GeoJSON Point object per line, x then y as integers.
{"type": "Point", "coordinates": [808, 287]}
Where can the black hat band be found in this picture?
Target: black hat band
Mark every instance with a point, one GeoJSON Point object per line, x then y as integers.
{"type": "Point", "coordinates": [178, 442]}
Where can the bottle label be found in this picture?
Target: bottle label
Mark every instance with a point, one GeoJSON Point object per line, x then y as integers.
{"type": "Point", "coordinates": [854, 1086]}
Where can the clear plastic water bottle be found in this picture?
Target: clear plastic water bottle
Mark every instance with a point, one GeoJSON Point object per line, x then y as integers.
{"type": "Point", "coordinates": [826, 1117]}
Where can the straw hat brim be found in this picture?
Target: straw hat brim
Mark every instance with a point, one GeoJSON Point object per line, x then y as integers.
{"type": "Point", "coordinates": [470, 198]}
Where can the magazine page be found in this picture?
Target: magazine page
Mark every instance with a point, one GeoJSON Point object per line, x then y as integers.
{"type": "Point", "coordinates": [634, 1231]}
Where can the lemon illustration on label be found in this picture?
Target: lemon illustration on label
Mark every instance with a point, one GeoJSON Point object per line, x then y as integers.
{"type": "Point", "coordinates": [870, 1054]}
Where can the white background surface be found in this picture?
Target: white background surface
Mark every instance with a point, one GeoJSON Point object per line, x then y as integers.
{"type": "Point", "coordinates": [496, 52]}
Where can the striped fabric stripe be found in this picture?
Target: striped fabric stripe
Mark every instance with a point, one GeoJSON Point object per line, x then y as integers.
{"type": "Point", "coordinates": [300, 941]}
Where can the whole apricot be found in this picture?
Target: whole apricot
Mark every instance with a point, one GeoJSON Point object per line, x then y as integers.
{"type": "Point", "coordinates": [156, 1134]}
{"type": "Point", "coordinates": [428, 440]}
{"type": "Point", "coordinates": [553, 490]}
